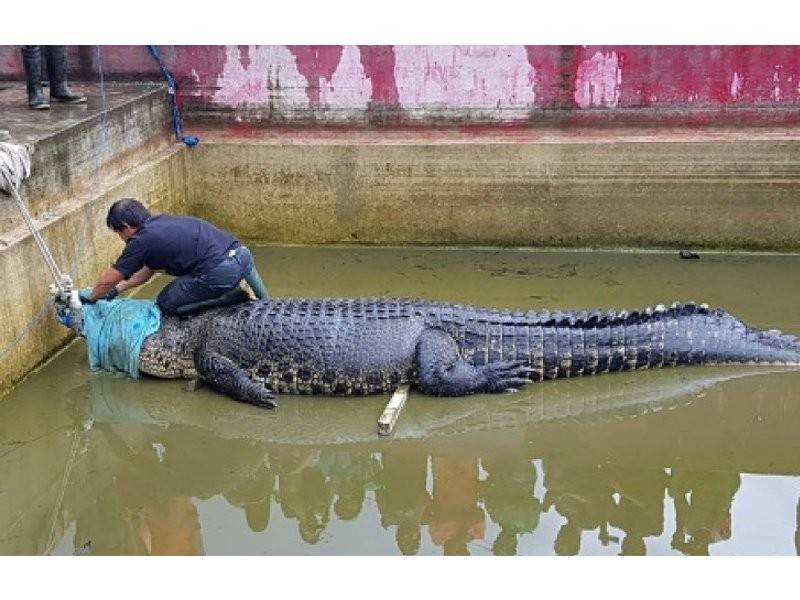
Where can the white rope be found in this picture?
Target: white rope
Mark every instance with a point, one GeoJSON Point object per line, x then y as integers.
{"type": "Point", "coordinates": [15, 165]}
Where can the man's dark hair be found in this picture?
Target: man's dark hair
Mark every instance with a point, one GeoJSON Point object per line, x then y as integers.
{"type": "Point", "coordinates": [126, 211]}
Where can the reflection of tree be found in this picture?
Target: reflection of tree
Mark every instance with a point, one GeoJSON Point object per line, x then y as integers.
{"type": "Point", "coordinates": [145, 475]}
{"type": "Point", "coordinates": [508, 496]}
{"type": "Point", "coordinates": [797, 531]}
{"type": "Point", "coordinates": [303, 491]}
{"type": "Point", "coordinates": [453, 515]}
{"type": "Point", "coordinates": [583, 495]}
{"type": "Point", "coordinates": [350, 473]}
{"type": "Point", "coordinates": [402, 497]}
{"type": "Point", "coordinates": [640, 510]}
{"type": "Point", "coordinates": [702, 508]}
{"type": "Point", "coordinates": [253, 494]}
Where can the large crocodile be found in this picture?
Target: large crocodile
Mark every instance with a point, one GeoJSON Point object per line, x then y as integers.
{"type": "Point", "coordinates": [362, 346]}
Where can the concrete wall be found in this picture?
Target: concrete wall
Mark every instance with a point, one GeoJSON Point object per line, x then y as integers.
{"type": "Point", "coordinates": [71, 155]}
{"type": "Point", "coordinates": [82, 246]}
{"type": "Point", "coordinates": [514, 84]}
{"type": "Point", "coordinates": [601, 191]}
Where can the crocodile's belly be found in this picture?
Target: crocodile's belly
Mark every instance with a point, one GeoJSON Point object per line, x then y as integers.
{"type": "Point", "coordinates": [343, 358]}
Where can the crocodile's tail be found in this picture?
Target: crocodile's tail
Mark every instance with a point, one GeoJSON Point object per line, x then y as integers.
{"type": "Point", "coordinates": [565, 344]}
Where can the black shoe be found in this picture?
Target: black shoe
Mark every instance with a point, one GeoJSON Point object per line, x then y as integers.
{"type": "Point", "coordinates": [32, 59]}
{"type": "Point", "coordinates": [38, 102]}
{"type": "Point", "coordinates": [66, 95]}
{"type": "Point", "coordinates": [57, 70]}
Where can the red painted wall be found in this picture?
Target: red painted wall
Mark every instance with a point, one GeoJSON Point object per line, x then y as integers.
{"type": "Point", "coordinates": [694, 84]}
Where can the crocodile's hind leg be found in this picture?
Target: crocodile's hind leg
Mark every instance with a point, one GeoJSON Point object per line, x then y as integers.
{"type": "Point", "coordinates": [443, 372]}
{"type": "Point", "coordinates": [227, 377]}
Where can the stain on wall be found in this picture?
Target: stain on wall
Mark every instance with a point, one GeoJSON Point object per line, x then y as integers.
{"type": "Point", "coordinates": [496, 83]}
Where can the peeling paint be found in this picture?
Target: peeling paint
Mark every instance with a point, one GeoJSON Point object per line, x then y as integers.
{"type": "Point", "coordinates": [736, 86]}
{"type": "Point", "coordinates": [349, 86]}
{"type": "Point", "coordinates": [470, 77]}
{"type": "Point", "coordinates": [776, 90]}
{"type": "Point", "coordinates": [269, 67]}
{"type": "Point", "coordinates": [598, 81]}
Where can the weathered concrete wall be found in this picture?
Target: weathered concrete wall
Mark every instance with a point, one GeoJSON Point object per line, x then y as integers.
{"type": "Point", "coordinates": [615, 190]}
{"type": "Point", "coordinates": [583, 84]}
{"type": "Point", "coordinates": [82, 246]}
{"type": "Point", "coordinates": [73, 150]}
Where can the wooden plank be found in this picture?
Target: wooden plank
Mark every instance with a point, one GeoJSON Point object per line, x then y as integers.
{"type": "Point", "coordinates": [390, 414]}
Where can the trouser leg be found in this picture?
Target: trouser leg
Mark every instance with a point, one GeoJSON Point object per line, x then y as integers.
{"type": "Point", "coordinates": [251, 276]}
{"type": "Point", "coordinates": [57, 71]}
{"type": "Point", "coordinates": [217, 287]}
{"type": "Point", "coordinates": [256, 284]}
{"type": "Point", "coordinates": [32, 59]}
{"type": "Point", "coordinates": [188, 295]}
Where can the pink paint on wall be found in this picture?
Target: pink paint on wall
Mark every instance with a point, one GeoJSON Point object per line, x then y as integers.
{"type": "Point", "coordinates": [197, 69]}
{"type": "Point", "coordinates": [317, 64]}
{"type": "Point", "coordinates": [475, 77]}
{"type": "Point", "coordinates": [267, 76]}
{"type": "Point", "coordinates": [349, 87]}
{"type": "Point", "coordinates": [379, 66]}
{"type": "Point", "coordinates": [598, 81]}
{"type": "Point", "coordinates": [497, 83]}
{"type": "Point", "coordinates": [554, 68]}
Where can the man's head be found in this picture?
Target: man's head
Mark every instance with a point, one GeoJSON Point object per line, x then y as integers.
{"type": "Point", "coordinates": [126, 216]}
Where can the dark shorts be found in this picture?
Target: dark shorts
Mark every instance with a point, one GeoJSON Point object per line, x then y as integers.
{"type": "Point", "coordinates": [188, 289]}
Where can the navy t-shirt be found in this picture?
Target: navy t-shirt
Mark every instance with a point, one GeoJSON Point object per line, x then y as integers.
{"type": "Point", "coordinates": [177, 245]}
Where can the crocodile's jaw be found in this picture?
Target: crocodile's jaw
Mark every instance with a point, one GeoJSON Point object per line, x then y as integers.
{"type": "Point", "coordinates": [169, 353]}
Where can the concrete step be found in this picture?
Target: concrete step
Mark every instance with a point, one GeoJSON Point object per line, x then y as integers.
{"type": "Point", "coordinates": [78, 146]}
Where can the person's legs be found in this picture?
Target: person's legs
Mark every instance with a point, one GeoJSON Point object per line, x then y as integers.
{"type": "Point", "coordinates": [57, 71]}
{"type": "Point", "coordinates": [183, 291]}
{"type": "Point", "coordinates": [32, 59]}
{"type": "Point", "coordinates": [251, 275]}
{"type": "Point", "coordinates": [218, 287]}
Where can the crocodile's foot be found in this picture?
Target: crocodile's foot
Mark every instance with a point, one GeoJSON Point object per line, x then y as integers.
{"type": "Point", "coordinates": [507, 376]}
{"type": "Point", "coordinates": [263, 398]}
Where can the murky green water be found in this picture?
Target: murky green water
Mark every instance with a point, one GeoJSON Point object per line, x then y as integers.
{"type": "Point", "coordinates": [692, 460]}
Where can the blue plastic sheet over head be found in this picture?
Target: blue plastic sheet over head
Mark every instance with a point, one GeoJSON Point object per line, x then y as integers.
{"type": "Point", "coordinates": [115, 331]}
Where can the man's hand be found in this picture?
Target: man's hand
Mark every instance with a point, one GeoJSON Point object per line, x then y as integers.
{"type": "Point", "coordinates": [85, 295]}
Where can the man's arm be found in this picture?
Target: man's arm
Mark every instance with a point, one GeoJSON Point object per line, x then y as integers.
{"type": "Point", "coordinates": [108, 280]}
{"type": "Point", "coordinates": [141, 276]}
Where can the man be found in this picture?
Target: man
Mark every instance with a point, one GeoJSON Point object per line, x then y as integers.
{"type": "Point", "coordinates": [56, 59]}
{"type": "Point", "coordinates": [208, 262]}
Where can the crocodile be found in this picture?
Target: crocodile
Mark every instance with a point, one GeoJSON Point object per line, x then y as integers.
{"type": "Point", "coordinates": [254, 350]}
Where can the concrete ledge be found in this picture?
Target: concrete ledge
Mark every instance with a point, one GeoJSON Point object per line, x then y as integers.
{"type": "Point", "coordinates": [595, 188]}
{"type": "Point", "coordinates": [82, 246]}
{"type": "Point", "coordinates": [76, 145]}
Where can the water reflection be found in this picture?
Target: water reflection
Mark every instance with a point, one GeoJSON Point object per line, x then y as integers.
{"type": "Point", "coordinates": [703, 508]}
{"type": "Point", "coordinates": [690, 461]}
{"type": "Point", "coordinates": [121, 478]}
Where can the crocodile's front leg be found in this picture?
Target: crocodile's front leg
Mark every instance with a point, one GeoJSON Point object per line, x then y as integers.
{"type": "Point", "coordinates": [227, 377]}
{"type": "Point", "coordinates": [441, 371]}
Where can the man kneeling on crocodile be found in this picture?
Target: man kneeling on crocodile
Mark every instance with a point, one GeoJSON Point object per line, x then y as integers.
{"type": "Point", "coordinates": [207, 262]}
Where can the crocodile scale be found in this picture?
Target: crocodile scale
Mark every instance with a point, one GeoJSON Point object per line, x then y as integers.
{"type": "Point", "coordinates": [364, 346]}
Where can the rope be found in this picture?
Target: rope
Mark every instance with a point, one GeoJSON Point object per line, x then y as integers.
{"type": "Point", "coordinates": [14, 167]}
{"type": "Point", "coordinates": [172, 87]}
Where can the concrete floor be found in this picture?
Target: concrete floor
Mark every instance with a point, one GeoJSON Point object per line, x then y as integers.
{"type": "Point", "coordinates": [30, 126]}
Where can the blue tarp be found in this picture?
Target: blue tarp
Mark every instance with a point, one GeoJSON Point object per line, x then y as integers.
{"type": "Point", "coordinates": [115, 331]}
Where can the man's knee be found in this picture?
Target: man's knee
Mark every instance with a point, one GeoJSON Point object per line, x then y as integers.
{"type": "Point", "coordinates": [173, 296]}
{"type": "Point", "coordinates": [168, 303]}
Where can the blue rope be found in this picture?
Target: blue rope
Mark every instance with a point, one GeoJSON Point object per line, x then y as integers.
{"type": "Point", "coordinates": [172, 86]}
